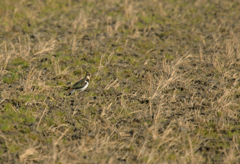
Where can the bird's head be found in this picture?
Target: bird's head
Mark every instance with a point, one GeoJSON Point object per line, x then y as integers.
{"type": "Point", "coordinates": [88, 75]}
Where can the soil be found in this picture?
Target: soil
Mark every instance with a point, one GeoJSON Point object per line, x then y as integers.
{"type": "Point", "coordinates": [164, 84]}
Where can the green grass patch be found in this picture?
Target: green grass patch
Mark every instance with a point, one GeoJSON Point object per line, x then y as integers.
{"type": "Point", "coordinates": [19, 61]}
{"type": "Point", "coordinates": [10, 78]}
{"type": "Point", "coordinates": [31, 97]}
{"type": "Point", "coordinates": [15, 118]}
{"type": "Point", "coordinates": [168, 56]}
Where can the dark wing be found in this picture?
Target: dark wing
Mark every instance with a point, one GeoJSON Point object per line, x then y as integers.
{"type": "Point", "coordinates": [79, 84]}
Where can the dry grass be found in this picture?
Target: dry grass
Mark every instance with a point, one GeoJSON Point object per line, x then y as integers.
{"type": "Point", "coordinates": [164, 86]}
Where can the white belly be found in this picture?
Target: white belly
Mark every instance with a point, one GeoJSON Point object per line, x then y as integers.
{"type": "Point", "coordinates": [82, 89]}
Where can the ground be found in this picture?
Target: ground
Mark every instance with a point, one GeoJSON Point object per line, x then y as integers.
{"type": "Point", "coordinates": [164, 84]}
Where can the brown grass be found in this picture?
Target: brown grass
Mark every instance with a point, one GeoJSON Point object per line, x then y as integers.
{"type": "Point", "coordinates": [164, 85]}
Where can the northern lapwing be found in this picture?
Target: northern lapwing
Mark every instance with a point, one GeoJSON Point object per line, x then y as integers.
{"type": "Point", "coordinates": [81, 85]}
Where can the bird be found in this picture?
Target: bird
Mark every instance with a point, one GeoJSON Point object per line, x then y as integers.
{"type": "Point", "coordinates": [81, 85]}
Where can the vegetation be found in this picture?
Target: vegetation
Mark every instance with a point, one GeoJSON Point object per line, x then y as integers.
{"type": "Point", "coordinates": [164, 85]}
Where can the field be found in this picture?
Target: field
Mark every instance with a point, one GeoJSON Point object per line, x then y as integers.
{"type": "Point", "coordinates": [164, 87]}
